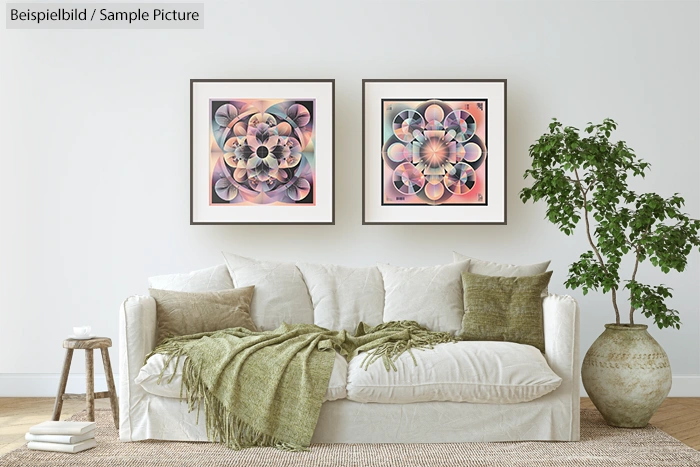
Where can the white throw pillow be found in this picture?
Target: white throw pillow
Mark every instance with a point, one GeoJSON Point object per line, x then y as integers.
{"type": "Point", "coordinates": [343, 296]}
{"type": "Point", "coordinates": [431, 296]}
{"type": "Point", "coordinates": [214, 279]}
{"type": "Point", "coordinates": [472, 371]}
{"type": "Point", "coordinates": [489, 268]}
{"type": "Point", "coordinates": [150, 373]}
{"type": "Point", "coordinates": [280, 292]}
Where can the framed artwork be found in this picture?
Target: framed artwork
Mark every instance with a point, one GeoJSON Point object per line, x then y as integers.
{"type": "Point", "coordinates": [434, 151]}
{"type": "Point", "coordinates": [262, 151]}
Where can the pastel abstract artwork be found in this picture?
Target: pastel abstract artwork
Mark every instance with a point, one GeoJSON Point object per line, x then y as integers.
{"type": "Point", "coordinates": [262, 152]}
{"type": "Point", "coordinates": [434, 152]}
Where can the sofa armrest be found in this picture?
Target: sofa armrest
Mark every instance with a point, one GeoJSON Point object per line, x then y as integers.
{"type": "Point", "coordinates": [137, 338]}
{"type": "Point", "coordinates": [561, 344]}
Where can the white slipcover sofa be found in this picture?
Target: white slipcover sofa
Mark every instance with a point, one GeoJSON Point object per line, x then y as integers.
{"type": "Point", "coordinates": [448, 397]}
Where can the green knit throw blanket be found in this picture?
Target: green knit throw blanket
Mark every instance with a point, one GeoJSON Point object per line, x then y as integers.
{"type": "Point", "coordinates": [266, 388]}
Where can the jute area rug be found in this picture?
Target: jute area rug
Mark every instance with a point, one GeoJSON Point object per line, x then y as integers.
{"type": "Point", "coordinates": [600, 445]}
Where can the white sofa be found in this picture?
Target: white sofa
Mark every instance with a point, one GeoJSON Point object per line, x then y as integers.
{"type": "Point", "coordinates": [350, 413]}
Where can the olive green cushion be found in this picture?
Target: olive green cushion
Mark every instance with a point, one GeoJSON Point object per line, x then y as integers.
{"type": "Point", "coordinates": [184, 313]}
{"type": "Point", "coordinates": [504, 308]}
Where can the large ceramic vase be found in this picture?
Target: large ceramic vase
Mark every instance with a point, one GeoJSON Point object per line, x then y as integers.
{"type": "Point", "coordinates": [627, 375]}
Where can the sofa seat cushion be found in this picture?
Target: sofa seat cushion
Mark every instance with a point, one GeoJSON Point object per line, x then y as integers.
{"type": "Point", "coordinates": [476, 371]}
{"type": "Point", "coordinates": [150, 372]}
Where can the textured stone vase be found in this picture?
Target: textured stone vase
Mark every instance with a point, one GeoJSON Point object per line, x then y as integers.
{"type": "Point", "coordinates": [627, 375]}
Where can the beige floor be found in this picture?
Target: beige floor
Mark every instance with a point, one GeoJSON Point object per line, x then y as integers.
{"type": "Point", "coordinates": [17, 414]}
{"type": "Point", "coordinates": [679, 417]}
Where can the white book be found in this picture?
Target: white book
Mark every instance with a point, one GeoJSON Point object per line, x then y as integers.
{"type": "Point", "coordinates": [60, 439]}
{"type": "Point", "coordinates": [72, 448]}
{"type": "Point", "coordinates": [62, 428]}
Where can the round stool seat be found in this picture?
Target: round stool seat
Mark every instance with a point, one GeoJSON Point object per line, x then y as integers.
{"type": "Point", "coordinates": [93, 343]}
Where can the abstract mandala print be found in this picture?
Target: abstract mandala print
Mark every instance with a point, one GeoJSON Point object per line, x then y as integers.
{"type": "Point", "coordinates": [434, 152]}
{"type": "Point", "coordinates": [262, 152]}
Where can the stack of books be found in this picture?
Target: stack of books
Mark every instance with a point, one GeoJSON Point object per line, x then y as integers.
{"type": "Point", "coordinates": [62, 436]}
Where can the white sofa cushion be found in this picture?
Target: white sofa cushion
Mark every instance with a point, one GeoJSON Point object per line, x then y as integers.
{"type": "Point", "coordinates": [479, 372]}
{"type": "Point", "coordinates": [280, 292]}
{"type": "Point", "coordinates": [343, 296]}
{"type": "Point", "coordinates": [490, 268]}
{"type": "Point", "coordinates": [431, 296]}
{"type": "Point", "coordinates": [150, 372]}
{"type": "Point", "coordinates": [214, 279]}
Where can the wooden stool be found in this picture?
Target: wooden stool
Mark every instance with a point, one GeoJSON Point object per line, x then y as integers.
{"type": "Point", "coordinates": [102, 343]}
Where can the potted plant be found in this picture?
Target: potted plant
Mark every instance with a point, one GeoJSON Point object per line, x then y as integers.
{"type": "Point", "coordinates": [583, 176]}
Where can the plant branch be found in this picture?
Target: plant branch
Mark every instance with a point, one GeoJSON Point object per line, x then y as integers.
{"type": "Point", "coordinates": [634, 275]}
{"type": "Point", "coordinates": [593, 245]}
{"type": "Point", "coordinates": [636, 265]}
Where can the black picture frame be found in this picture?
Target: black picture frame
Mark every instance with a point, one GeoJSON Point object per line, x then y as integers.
{"type": "Point", "coordinates": [325, 218]}
{"type": "Point", "coordinates": [372, 125]}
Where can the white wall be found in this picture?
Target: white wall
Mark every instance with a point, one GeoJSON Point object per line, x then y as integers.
{"type": "Point", "coordinates": [94, 155]}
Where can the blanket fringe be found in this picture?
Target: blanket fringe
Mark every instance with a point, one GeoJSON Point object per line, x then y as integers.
{"type": "Point", "coordinates": [221, 424]}
{"type": "Point", "coordinates": [418, 338]}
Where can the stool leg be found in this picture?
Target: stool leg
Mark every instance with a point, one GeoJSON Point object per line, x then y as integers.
{"type": "Point", "coordinates": [90, 385]}
{"type": "Point", "coordinates": [58, 405]}
{"type": "Point", "coordinates": [110, 386]}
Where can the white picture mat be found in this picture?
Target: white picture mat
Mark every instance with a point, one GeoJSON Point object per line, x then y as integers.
{"type": "Point", "coordinates": [494, 212]}
{"type": "Point", "coordinates": [322, 92]}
